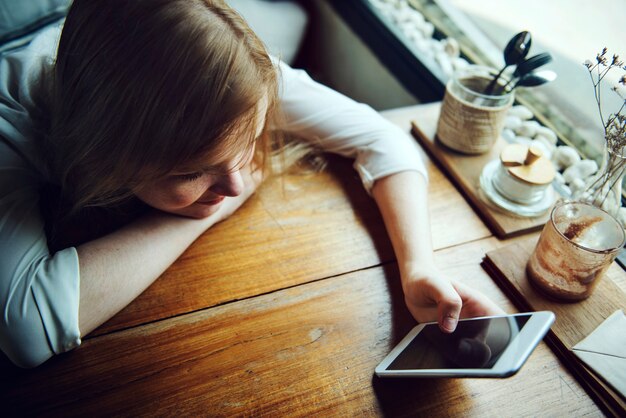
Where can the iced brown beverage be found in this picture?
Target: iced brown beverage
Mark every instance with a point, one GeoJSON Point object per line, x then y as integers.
{"type": "Point", "coordinates": [576, 247]}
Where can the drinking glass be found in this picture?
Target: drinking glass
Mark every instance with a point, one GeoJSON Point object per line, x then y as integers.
{"type": "Point", "coordinates": [576, 247]}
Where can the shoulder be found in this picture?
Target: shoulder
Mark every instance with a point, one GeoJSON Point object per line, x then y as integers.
{"type": "Point", "coordinates": [20, 70]}
{"type": "Point", "coordinates": [21, 67]}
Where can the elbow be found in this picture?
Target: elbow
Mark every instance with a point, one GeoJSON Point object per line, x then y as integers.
{"type": "Point", "coordinates": [24, 356]}
{"type": "Point", "coordinates": [39, 310]}
{"type": "Point", "coordinates": [26, 360]}
{"type": "Point", "coordinates": [23, 339]}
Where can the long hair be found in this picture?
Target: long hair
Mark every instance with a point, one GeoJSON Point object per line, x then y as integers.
{"type": "Point", "coordinates": [140, 87]}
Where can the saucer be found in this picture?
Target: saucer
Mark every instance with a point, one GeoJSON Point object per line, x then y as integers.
{"type": "Point", "coordinates": [525, 210]}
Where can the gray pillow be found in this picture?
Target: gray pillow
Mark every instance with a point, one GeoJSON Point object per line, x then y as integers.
{"type": "Point", "coordinates": [21, 19]}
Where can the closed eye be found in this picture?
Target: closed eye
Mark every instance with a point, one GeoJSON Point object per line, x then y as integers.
{"type": "Point", "coordinates": [190, 176]}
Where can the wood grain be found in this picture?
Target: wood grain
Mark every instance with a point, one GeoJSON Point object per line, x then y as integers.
{"type": "Point", "coordinates": [574, 321]}
{"type": "Point", "coordinates": [465, 170]}
{"type": "Point", "coordinates": [296, 229]}
{"type": "Point", "coordinates": [305, 351]}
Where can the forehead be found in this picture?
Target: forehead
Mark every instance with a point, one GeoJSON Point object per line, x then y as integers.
{"type": "Point", "coordinates": [235, 147]}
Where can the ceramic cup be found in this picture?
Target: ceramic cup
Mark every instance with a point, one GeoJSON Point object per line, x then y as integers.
{"type": "Point", "coordinates": [517, 190]}
{"type": "Point", "coordinates": [471, 121]}
{"type": "Point", "coordinates": [576, 247]}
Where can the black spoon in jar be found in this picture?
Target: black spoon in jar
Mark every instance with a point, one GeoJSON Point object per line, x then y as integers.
{"type": "Point", "coordinates": [534, 79]}
{"type": "Point", "coordinates": [527, 66]}
{"type": "Point", "coordinates": [514, 52]}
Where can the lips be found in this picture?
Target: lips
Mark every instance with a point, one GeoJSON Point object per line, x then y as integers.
{"type": "Point", "coordinates": [211, 202]}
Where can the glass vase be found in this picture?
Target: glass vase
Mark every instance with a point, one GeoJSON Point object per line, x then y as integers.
{"type": "Point", "coordinates": [604, 190]}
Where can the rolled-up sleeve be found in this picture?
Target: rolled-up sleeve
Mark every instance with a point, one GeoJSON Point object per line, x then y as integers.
{"type": "Point", "coordinates": [39, 292]}
{"type": "Point", "coordinates": [338, 124]}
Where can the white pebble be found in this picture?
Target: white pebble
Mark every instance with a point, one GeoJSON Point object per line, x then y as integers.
{"type": "Point", "coordinates": [560, 186]}
{"type": "Point", "coordinates": [558, 177]}
{"type": "Point", "coordinates": [451, 47]}
{"type": "Point", "coordinates": [436, 45]}
{"type": "Point", "coordinates": [421, 43]}
{"type": "Point", "coordinates": [548, 134]}
{"type": "Point", "coordinates": [528, 128]}
{"type": "Point", "coordinates": [407, 27]}
{"type": "Point", "coordinates": [416, 17]}
{"type": "Point", "coordinates": [577, 185]}
{"type": "Point", "coordinates": [428, 29]}
{"type": "Point", "coordinates": [402, 14]}
{"type": "Point", "coordinates": [521, 112]}
{"type": "Point", "coordinates": [445, 63]}
{"type": "Point", "coordinates": [566, 191]}
{"type": "Point", "coordinates": [459, 63]}
{"type": "Point", "coordinates": [545, 146]}
{"type": "Point", "coordinates": [564, 157]}
{"type": "Point", "coordinates": [414, 35]}
{"type": "Point", "coordinates": [580, 170]}
{"type": "Point", "coordinates": [508, 135]}
{"type": "Point", "coordinates": [524, 140]}
{"type": "Point", "coordinates": [512, 122]}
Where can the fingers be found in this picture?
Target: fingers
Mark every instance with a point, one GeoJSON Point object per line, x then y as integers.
{"type": "Point", "coordinates": [449, 312]}
{"type": "Point", "coordinates": [431, 296]}
{"type": "Point", "coordinates": [449, 306]}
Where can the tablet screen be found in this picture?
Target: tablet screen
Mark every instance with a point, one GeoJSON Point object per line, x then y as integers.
{"type": "Point", "coordinates": [475, 344]}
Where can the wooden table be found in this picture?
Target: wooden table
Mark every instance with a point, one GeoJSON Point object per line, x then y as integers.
{"type": "Point", "coordinates": [285, 309]}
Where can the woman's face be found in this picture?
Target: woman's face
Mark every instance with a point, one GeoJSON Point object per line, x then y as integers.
{"type": "Point", "coordinates": [198, 194]}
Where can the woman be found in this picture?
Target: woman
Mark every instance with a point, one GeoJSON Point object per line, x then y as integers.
{"type": "Point", "coordinates": [171, 103]}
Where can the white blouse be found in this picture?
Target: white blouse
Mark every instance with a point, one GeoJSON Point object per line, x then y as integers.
{"type": "Point", "coordinates": [39, 291]}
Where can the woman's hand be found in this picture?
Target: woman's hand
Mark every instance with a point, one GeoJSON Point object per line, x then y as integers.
{"type": "Point", "coordinates": [430, 296]}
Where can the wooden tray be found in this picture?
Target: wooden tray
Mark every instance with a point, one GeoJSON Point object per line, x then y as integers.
{"type": "Point", "coordinates": [464, 171]}
{"type": "Point", "coordinates": [574, 321]}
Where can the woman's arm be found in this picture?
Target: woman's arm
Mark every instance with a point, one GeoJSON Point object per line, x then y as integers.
{"type": "Point", "coordinates": [429, 294]}
{"type": "Point", "coordinates": [390, 166]}
{"type": "Point", "coordinates": [118, 267]}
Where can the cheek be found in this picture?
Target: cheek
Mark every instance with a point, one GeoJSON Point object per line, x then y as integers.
{"type": "Point", "coordinates": [172, 196]}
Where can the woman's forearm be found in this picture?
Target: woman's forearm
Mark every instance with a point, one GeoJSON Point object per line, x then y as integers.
{"type": "Point", "coordinates": [429, 294]}
{"type": "Point", "coordinates": [118, 267]}
{"type": "Point", "coordinates": [403, 201]}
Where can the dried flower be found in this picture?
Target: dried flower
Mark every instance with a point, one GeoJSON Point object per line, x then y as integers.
{"type": "Point", "coordinates": [597, 72]}
{"type": "Point", "coordinates": [599, 191]}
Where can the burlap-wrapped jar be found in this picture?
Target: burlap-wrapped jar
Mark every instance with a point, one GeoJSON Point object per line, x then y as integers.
{"type": "Point", "coordinates": [471, 120]}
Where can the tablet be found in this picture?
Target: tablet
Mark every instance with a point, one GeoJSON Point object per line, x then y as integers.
{"type": "Point", "coordinates": [495, 346]}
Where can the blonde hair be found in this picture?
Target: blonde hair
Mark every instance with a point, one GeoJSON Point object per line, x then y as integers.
{"type": "Point", "coordinates": [140, 87]}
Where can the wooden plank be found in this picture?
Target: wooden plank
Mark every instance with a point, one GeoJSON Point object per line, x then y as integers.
{"type": "Point", "coordinates": [574, 321]}
{"type": "Point", "coordinates": [304, 351]}
{"type": "Point", "coordinates": [465, 170]}
{"type": "Point", "coordinates": [296, 229]}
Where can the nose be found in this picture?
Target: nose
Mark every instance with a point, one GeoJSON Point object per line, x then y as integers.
{"type": "Point", "coordinates": [230, 184]}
